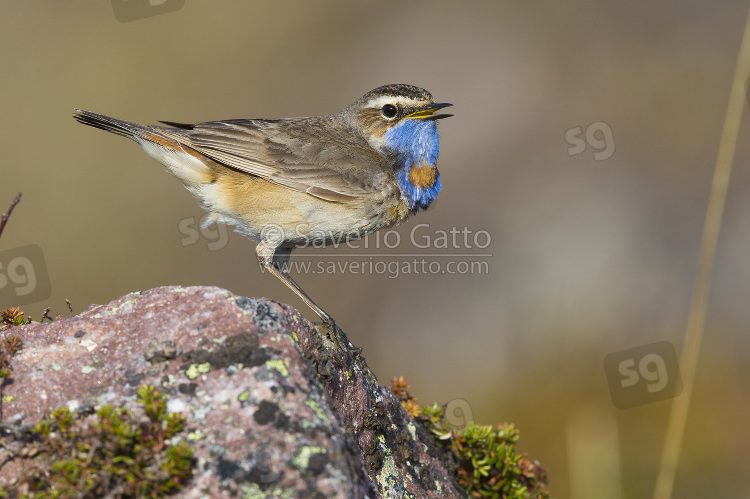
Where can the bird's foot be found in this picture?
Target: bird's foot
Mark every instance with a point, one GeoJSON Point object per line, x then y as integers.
{"type": "Point", "coordinates": [335, 334]}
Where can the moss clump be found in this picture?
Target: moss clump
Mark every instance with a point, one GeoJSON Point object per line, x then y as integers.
{"type": "Point", "coordinates": [112, 452]}
{"type": "Point", "coordinates": [10, 344]}
{"type": "Point", "coordinates": [400, 388]}
{"type": "Point", "coordinates": [488, 463]}
{"type": "Point", "coordinates": [11, 317]}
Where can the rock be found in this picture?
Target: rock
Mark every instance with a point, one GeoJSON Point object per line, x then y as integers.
{"type": "Point", "coordinates": [272, 406]}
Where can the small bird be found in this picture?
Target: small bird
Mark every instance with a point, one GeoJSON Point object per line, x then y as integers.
{"type": "Point", "coordinates": [293, 182]}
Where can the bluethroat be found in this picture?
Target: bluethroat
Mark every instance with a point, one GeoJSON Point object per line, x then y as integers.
{"type": "Point", "coordinates": [295, 181]}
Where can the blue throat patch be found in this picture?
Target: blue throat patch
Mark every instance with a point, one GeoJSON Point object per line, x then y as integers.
{"type": "Point", "coordinates": [418, 145]}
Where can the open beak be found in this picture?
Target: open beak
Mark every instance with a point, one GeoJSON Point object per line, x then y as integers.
{"type": "Point", "coordinates": [428, 113]}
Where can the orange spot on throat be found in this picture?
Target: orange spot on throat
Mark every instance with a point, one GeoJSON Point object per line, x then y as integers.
{"type": "Point", "coordinates": [422, 175]}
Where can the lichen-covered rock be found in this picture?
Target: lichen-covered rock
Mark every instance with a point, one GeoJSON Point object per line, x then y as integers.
{"type": "Point", "coordinates": [272, 407]}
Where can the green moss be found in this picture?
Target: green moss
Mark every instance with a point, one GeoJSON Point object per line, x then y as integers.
{"type": "Point", "coordinates": [194, 436]}
{"type": "Point", "coordinates": [90, 455]}
{"type": "Point", "coordinates": [196, 370]}
{"type": "Point", "coordinates": [253, 491]}
{"type": "Point", "coordinates": [278, 365]}
{"type": "Point", "coordinates": [12, 317]}
{"type": "Point", "coordinates": [312, 404]}
{"type": "Point", "coordinates": [302, 459]}
{"type": "Point", "coordinates": [488, 463]}
{"type": "Point", "coordinates": [387, 473]}
{"type": "Point", "coordinates": [10, 345]}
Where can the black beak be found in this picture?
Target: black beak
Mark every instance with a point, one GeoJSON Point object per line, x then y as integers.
{"type": "Point", "coordinates": [428, 113]}
{"type": "Point", "coordinates": [437, 106]}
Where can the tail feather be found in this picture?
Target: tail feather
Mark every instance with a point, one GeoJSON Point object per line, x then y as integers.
{"type": "Point", "coordinates": [119, 127]}
{"type": "Point", "coordinates": [181, 161]}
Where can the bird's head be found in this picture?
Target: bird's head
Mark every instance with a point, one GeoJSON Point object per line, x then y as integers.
{"type": "Point", "coordinates": [399, 121]}
{"type": "Point", "coordinates": [397, 117]}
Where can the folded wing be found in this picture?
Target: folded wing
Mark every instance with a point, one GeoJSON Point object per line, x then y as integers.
{"type": "Point", "coordinates": [299, 155]}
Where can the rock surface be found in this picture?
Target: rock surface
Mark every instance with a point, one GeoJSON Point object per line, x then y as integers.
{"type": "Point", "coordinates": [273, 407]}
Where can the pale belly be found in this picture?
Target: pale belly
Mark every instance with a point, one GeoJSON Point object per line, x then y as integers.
{"type": "Point", "coordinates": [281, 216]}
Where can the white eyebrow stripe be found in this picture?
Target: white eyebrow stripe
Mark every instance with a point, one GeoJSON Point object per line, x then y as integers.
{"type": "Point", "coordinates": [381, 101]}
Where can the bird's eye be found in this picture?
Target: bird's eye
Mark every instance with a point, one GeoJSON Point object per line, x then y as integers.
{"type": "Point", "coordinates": [389, 111]}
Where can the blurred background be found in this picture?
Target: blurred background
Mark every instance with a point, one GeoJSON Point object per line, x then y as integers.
{"type": "Point", "coordinates": [580, 155]}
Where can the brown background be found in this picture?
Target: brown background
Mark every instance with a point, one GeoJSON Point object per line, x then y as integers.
{"type": "Point", "coordinates": [588, 257]}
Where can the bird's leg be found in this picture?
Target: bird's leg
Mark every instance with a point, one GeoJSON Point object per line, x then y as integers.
{"type": "Point", "coordinates": [274, 260]}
